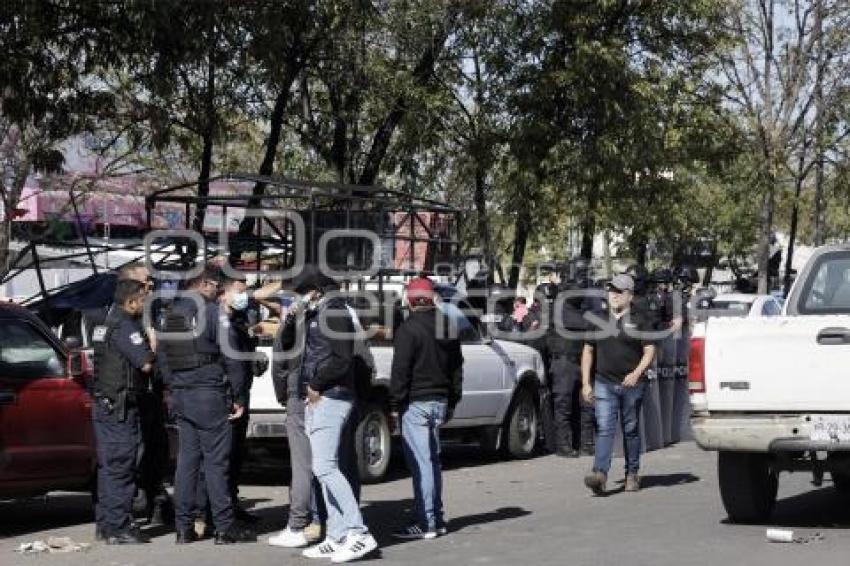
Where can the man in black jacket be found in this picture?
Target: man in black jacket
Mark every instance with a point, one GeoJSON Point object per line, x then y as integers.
{"type": "Point", "coordinates": [326, 378]}
{"type": "Point", "coordinates": [425, 386]}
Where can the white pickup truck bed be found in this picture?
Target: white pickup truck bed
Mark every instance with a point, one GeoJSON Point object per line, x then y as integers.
{"type": "Point", "coordinates": [773, 394]}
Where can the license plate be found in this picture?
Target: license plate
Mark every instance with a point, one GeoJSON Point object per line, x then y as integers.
{"type": "Point", "coordinates": [830, 427]}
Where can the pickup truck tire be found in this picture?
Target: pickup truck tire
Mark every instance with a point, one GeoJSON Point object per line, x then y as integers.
{"type": "Point", "coordinates": [521, 425]}
{"type": "Point", "coordinates": [373, 443]}
{"type": "Point", "coordinates": [748, 486]}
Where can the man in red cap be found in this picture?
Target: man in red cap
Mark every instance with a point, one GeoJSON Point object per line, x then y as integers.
{"type": "Point", "coordinates": [425, 386]}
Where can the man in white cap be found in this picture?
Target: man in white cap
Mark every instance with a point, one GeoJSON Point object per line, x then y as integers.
{"type": "Point", "coordinates": [622, 354]}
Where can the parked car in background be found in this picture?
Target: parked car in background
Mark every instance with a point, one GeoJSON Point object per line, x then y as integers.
{"type": "Point", "coordinates": [46, 436]}
{"type": "Point", "coordinates": [744, 305]}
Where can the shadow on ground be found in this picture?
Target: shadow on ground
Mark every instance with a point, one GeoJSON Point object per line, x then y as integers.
{"type": "Point", "coordinates": [54, 511]}
{"type": "Point", "coordinates": [821, 508]}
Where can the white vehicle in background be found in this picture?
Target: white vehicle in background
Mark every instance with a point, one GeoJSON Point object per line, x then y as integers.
{"type": "Point", "coordinates": [502, 385]}
{"type": "Point", "coordinates": [744, 305]}
{"type": "Point", "coordinates": [772, 394]}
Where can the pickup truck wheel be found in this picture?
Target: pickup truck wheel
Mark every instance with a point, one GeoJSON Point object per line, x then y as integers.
{"type": "Point", "coordinates": [373, 444]}
{"type": "Point", "coordinates": [748, 486]}
{"type": "Point", "coordinates": [521, 425]}
{"type": "Point", "coordinates": [841, 482]}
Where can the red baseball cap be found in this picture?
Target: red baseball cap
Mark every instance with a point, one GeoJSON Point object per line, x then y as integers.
{"type": "Point", "coordinates": [419, 290]}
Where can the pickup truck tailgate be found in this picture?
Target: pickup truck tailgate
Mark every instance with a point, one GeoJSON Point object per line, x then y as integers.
{"type": "Point", "coordinates": [779, 364]}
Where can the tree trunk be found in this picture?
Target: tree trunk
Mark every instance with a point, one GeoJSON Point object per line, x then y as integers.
{"type": "Point", "coordinates": [480, 198]}
{"type": "Point", "coordinates": [769, 147]}
{"type": "Point", "coordinates": [421, 75]}
{"type": "Point", "coordinates": [640, 251]}
{"type": "Point", "coordinates": [11, 201]}
{"type": "Point", "coordinates": [820, 205]}
{"type": "Point", "coordinates": [767, 212]}
{"type": "Point", "coordinates": [792, 237]}
{"type": "Point", "coordinates": [588, 226]}
{"type": "Point", "coordinates": [522, 229]}
{"type": "Point", "coordinates": [5, 243]}
{"type": "Point", "coordinates": [246, 227]}
{"type": "Point", "coordinates": [203, 182]}
{"type": "Point", "coordinates": [208, 136]}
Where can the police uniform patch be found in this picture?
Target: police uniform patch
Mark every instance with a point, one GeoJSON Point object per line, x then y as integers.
{"type": "Point", "coordinates": [136, 339]}
{"type": "Point", "coordinates": [98, 334]}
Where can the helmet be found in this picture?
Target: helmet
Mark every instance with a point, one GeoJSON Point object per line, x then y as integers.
{"type": "Point", "coordinates": [662, 275]}
{"type": "Point", "coordinates": [548, 290]}
{"type": "Point", "coordinates": [687, 274]}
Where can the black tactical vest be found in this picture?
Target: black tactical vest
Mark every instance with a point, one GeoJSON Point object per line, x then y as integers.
{"type": "Point", "coordinates": [182, 354]}
{"type": "Point", "coordinates": [113, 374]}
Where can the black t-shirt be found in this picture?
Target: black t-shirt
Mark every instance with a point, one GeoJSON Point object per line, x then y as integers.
{"type": "Point", "coordinates": [619, 352]}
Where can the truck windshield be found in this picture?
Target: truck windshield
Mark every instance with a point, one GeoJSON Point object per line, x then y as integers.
{"type": "Point", "coordinates": [827, 289]}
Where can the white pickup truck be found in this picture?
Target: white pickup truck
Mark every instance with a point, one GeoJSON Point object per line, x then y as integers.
{"type": "Point", "coordinates": [772, 394]}
{"type": "Point", "coordinates": [503, 383]}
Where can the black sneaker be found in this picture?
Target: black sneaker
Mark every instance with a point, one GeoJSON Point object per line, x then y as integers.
{"type": "Point", "coordinates": [415, 532]}
{"type": "Point", "coordinates": [236, 534]}
{"type": "Point", "coordinates": [129, 536]}
{"type": "Point", "coordinates": [186, 536]}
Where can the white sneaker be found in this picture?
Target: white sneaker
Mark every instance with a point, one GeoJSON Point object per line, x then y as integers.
{"type": "Point", "coordinates": [355, 546]}
{"type": "Point", "coordinates": [288, 538]}
{"type": "Point", "coordinates": [324, 549]}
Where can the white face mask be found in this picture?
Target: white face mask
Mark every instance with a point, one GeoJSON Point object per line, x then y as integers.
{"type": "Point", "coordinates": [239, 301]}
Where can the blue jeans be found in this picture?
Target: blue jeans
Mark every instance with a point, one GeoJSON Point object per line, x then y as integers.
{"type": "Point", "coordinates": [420, 434]}
{"type": "Point", "coordinates": [612, 402]}
{"type": "Point", "coordinates": [324, 422]}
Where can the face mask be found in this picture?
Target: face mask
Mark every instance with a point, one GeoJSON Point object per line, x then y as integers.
{"type": "Point", "coordinates": [239, 301]}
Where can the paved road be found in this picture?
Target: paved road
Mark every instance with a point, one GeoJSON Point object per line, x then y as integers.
{"type": "Point", "coordinates": [513, 513]}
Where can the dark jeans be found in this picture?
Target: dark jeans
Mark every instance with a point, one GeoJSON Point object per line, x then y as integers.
{"type": "Point", "coordinates": [615, 402]}
{"type": "Point", "coordinates": [118, 443]}
{"type": "Point", "coordinates": [566, 375]}
{"type": "Point", "coordinates": [205, 441]}
{"type": "Point", "coordinates": [155, 450]}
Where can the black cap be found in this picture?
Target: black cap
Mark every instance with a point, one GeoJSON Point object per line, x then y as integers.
{"type": "Point", "coordinates": [312, 279]}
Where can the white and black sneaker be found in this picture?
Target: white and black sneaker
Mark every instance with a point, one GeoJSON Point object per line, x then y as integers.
{"type": "Point", "coordinates": [442, 529]}
{"type": "Point", "coordinates": [415, 532]}
{"type": "Point", "coordinates": [324, 549]}
{"type": "Point", "coordinates": [355, 546]}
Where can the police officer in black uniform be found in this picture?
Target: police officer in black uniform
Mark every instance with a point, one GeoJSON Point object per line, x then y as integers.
{"type": "Point", "coordinates": [155, 448]}
{"type": "Point", "coordinates": [123, 360]}
{"type": "Point", "coordinates": [242, 315]}
{"type": "Point", "coordinates": [563, 372]}
{"type": "Point", "coordinates": [204, 384]}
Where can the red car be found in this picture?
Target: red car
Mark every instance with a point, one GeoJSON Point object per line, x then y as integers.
{"type": "Point", "coordinates": [46, 436]}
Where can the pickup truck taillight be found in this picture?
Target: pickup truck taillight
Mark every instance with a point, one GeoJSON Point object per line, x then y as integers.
{"type": "Point", "coordinates": [696, 366]}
